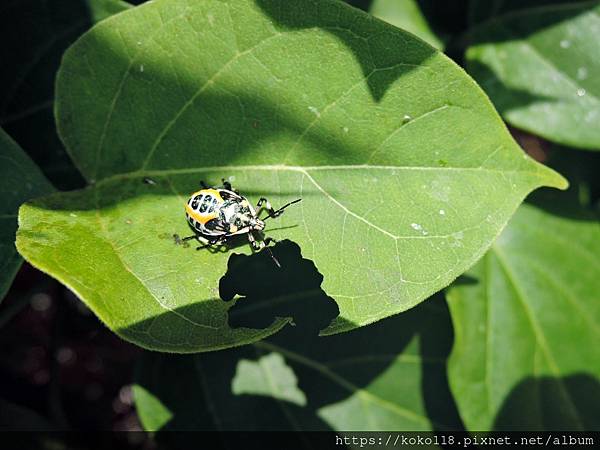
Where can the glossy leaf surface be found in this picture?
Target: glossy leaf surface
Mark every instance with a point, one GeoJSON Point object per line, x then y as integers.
{"type": "Point", "coordinates": [540, 67]}
{"type": "Point", "coordinates": [526, 323]}
{"type": "Point", "coordinates": [405, 171]}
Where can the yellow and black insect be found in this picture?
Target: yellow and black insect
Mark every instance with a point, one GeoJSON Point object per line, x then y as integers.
{"type": "Point", "coordinates": [218, 213]}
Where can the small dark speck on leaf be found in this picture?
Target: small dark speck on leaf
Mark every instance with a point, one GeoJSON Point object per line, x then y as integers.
{"type": "Point", "coordinates": [179, 241]}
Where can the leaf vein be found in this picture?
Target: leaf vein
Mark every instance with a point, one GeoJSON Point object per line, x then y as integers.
{"type": "Point", "coordinates": [199, 92]}
{"type": "Point", "coordinates": [540, 337]}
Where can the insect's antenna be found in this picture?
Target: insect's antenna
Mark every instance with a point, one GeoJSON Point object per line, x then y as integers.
{"type": "Point", "coordinates": [275, 213]}
{"type": "Point", "coordinates": [273, 257]}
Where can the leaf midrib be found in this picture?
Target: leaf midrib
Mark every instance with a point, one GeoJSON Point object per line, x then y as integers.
{"type": "Point", "coordinates": [538, 333]}
{"type": "Point", "coordinates": [305, 171]}
{"type": "Point", "coordinates": [302, 169]}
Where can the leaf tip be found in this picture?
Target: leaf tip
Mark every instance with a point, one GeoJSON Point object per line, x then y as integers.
{"type": "Point", "coordinates": [549, 177]}
{"type": "Point", "coordinates": [556, 180]}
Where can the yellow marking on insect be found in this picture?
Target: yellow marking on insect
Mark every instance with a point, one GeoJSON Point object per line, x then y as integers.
{"type": "Point", "coordinates": [233, 228]}
{"type": "Point", "coordinates": [212, 192]}
{"type": "Point", "coordinates": [202, 218]}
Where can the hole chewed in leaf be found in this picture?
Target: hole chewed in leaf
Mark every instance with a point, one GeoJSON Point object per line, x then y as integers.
{"type": "Point", "coordinates": [268, 291]}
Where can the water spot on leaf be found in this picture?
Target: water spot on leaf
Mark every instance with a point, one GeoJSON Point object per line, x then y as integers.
{"type": "Point", "coordinates": [457, 239]}
{"type": "Point", "coordinates": [314, 110]}
{"type": "Point", "coordinates": [440, 190]}
{"type": "Point", "coordinates": [420, 228]}
{"type": "Point", "coordinates": [591, 116]}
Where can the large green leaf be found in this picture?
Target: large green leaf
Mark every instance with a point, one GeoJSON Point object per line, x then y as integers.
{"type": "Point", "coordinates": [405, 170]}
{"type": "Point", "coordinates": [526, 323]}
{"type": "Point", "coordinates": [406, 14]}
{"type": "Point", "coordinates": [540, 66]}
{"type": "Point", "coordinates": [390, 376]}
{"type": "Point", "coordinates": [20, 180]}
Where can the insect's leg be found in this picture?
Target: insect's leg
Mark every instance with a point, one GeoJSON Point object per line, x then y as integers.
{"type": "Point", "coordinates": [210, 242]}
{"type": "Point", "coordinates": [259, 245]}
{"type": "Point", "coordinates": [204, 185]}
{"type": "Point", "coordinates": [179, 240]}
{"type": "Point", "coordinates": [263, 203]}
{"type": "Point", "coordinates": [205, 240]}
{"type": "Point", "coordinates": [206, 243]}
{"type": "Point", "coordinates": [256, 245]}
{"type": "Point", "coordinates": [269, 240]}
{"type": "Point", "coordinates": [227, 184]}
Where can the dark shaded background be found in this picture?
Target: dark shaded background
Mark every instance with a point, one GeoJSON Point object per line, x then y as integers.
{"type": "Point", "coordinates": [59, 366]}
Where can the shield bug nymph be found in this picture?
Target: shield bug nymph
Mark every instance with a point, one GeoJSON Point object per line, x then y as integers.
{"type": "Point", "coordinates": [218, 213]}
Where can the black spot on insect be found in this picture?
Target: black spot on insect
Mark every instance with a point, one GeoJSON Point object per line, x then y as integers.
{"type": "Point", "coordinates": [233, 216]}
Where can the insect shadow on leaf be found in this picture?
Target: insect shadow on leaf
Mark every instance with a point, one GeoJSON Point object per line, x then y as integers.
{"type": "Point", "coordinates": [268, 291]}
